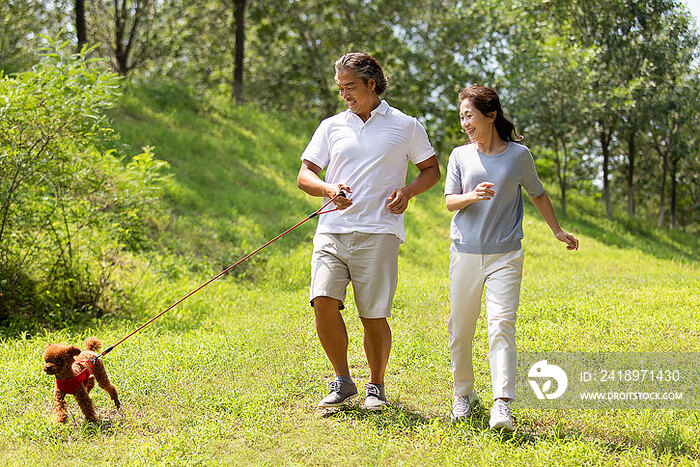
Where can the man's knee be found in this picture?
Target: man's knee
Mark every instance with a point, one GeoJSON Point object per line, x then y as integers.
{"type": "Point", "coordinates": [323, 305]}
{"type": "Point", "coordinates": [374, 324]}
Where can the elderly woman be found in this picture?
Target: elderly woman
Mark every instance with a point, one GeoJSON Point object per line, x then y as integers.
{"type": "Point", "coordinates": [483, 185]}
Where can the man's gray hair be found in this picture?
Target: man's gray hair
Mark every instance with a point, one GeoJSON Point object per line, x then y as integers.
{"type": "Point", "coordinates": [365, 67]}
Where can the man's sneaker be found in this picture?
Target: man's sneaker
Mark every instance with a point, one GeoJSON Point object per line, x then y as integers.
{"type": "Point", "coordinates": [500, 416]}
{"type": "Point", "coordinates": [463, 405]}
{"type": "Point", "coordinates": [376, 398]}
{"type": "Point", "coordinates": [339, 394]}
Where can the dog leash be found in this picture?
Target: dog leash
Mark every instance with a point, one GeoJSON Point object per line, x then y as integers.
{"type": "Point", "coordinates": [318, 212]}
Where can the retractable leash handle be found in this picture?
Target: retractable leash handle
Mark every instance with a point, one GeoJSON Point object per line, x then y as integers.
{"type": "Point", "coordinates": [310, 216]}
{"type": "Point", "coordinates": [341, 193]}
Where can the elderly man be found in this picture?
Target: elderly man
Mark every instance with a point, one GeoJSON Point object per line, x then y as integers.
{"type": "Point", "coordinates": [365, 150]}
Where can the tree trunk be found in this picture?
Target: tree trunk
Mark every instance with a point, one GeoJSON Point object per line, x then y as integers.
{"type": "Point", "coordinates": [631, 155]}
{"type": "Point", "coordinates": [564, 184]}
{"type": "Point", "coordinates": [561, 174]}
{"type": "Point", "coordinates": [605, 146]}
{"type": "Point", "coordinates": [239, 15]}
{"type": "Point", "coordinates": [120, 56]}
{"type": "Point", "coordinates": [674, 170]}
{"type": "Point", "coordinates": [662, 189]}
{"type": "Point", "coordinates": [80, 23]}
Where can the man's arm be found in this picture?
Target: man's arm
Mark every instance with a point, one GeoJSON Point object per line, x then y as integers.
{"type": "Point", "coordinates": [428, 176]}
{"type": "Point", "coordinates": [309, 181]}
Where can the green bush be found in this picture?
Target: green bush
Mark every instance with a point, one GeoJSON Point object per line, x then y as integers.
{"type": "Point", "coordinates": [69, 207]}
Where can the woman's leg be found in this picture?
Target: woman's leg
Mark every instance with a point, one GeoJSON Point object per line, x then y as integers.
{"type": "Point", "coordinates": [466, 286]}
{"type": "Point", "coordinates": [503, 276]}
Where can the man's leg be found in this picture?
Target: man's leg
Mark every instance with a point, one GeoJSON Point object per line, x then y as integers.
{"type": "Point", "coordinates": [374, 271]}
{"type": "Point", "coordinates": [329, 279]}
{"type": "Point", "coordinates": [377, 343]}
{"type": "Point", "coordinates": [332, 333]}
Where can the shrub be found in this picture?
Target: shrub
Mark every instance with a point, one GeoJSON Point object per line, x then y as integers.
{"type": "Point", "coordinates": [69, 207]}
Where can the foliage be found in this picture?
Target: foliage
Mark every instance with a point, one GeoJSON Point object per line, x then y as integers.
{"type": "Point", "coordinates": [23, 22]}
{"type": "Point", "coordinates": [68, 206]}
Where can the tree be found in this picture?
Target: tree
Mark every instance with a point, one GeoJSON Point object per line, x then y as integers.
{"type": "Point", "coordinates": [546, 75]}
{"type": "Point", "coordinates": [195, 45]}
{"type": "Point", "coordinates": [684, 153]}
{"type": "Point", "coordinates": [123, 28]}
{"type": "Point", "coordinates": [627, 38]}
{"type": "Point", "coordinates": [80, 28]}
{"type": "Point", "coordinates": [239, 15]}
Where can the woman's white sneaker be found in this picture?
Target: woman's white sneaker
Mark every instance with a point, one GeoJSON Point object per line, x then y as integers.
{"type": "Point", "coordinates": [501, 416]}
{"type": "Point", "coordinates": [463, 405]}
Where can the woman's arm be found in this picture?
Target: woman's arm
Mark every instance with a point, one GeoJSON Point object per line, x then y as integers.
{"type": "Point", "coordinates": [544, 206]}
{"type": "Point", "coordinates": [483, 191]}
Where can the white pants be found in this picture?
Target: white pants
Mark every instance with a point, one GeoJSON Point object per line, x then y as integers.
{"type": "Point", "coordinates": [501, 275]}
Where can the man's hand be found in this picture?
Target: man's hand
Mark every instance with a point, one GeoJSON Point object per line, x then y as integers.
{"type": "Point", "coordinates": [309, 181]}
{"type": "Point", "coordinates": [398, 200]}
{"type": "Point", "coordinates": [341, 202]}
{"type": "Point", "coordinates": [427, 177]}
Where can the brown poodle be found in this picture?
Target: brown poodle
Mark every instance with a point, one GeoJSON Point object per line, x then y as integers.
{"type": "Point", "coordinates": [76, 373]}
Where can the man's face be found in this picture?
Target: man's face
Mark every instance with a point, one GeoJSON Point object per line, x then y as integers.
{"type": "Point", "coordinates": [358, 96]}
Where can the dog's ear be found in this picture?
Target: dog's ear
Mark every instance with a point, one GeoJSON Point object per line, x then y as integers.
{"type": "Point", "coordinates": [73, 351]}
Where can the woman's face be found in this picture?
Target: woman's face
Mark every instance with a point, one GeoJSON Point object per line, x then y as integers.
{"type": "Point", "coordinates": [476, 125]}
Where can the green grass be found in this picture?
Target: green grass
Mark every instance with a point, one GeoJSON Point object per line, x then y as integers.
{"type": "Point", "coordinates": [231, 375]}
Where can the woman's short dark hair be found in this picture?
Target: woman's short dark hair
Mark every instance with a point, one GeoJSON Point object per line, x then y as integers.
{"type": "Point", "coordinates": [486, 101]}
{"type": "Point", "coordinates": [365, 67]}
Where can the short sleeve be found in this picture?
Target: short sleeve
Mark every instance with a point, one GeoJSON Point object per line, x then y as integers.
{"type": "Point", "coordinates": [528, 175]}
{"type": "Point", "coordinates": [453, 177]}
{"type": "Point", "coordinates": [420, 148]}
{"type": "Point", "coordinates": [317, 151]}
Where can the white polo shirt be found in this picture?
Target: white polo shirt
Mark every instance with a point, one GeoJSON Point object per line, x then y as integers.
{"type": "Point", "coordinates": [371, 158]}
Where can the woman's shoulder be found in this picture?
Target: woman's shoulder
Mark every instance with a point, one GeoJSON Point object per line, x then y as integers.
{"type": "Point", "coordinates": [518, 147]}
{"type": "Point", "coordinates": [464, 150]}
{"type": "Point", "coordinates": [519, 151]}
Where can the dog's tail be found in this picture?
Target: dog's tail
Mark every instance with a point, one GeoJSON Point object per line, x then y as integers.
{"type": "Point", "coordinates": [91, 343]}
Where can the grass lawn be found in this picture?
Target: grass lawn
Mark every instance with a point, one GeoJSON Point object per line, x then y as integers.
{"type": "Point", "coordinates": [232, 375]}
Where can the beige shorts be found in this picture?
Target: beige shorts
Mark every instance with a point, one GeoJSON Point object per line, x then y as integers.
{"type": "Point", "coordinates": [370, 261]}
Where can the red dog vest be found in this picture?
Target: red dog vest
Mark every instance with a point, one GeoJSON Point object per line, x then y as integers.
{"type": "Point", "coordinates": [70, 385]}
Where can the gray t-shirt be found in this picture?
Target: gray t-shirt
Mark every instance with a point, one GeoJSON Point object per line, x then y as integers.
{"type": "Point", "coordinates": [495, 225]}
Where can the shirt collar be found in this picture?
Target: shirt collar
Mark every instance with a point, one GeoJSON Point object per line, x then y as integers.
{"type": "Point", "coordinates": [381, 109]}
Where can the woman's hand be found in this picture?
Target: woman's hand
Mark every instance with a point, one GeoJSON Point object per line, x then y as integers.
{"type": "Point", "coordinates": [570, 240]}
{"type": "Point", "coordinates": [483, 192]}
